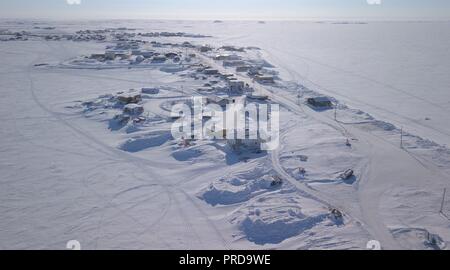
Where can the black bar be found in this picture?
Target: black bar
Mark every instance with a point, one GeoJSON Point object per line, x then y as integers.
{"type": "Point", "coordinates": [220, 259]}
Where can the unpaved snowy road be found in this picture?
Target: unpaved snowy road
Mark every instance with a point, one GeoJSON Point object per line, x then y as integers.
{"type": "Point", "coordinates": [389, 166]}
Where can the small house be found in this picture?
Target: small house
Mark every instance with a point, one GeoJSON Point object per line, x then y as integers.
{"type": "Point", "coordinates": [233, 63]}
{"type": "Point", "coordinates": [221, 101]}
{"type": "Point", "coordinates": [205, 48]}
{"type": "Point", "coordinates": [236, 87]}
{"type": "Point", "coordinates": [232, 49]}
{"type": "Point", "coordinates": [187, 44]}
{"type": "Point", "coordinates": [254, 71]}
{"type": "Point", "coordinates": [257, 97]}
{"type": "Point", "coordinates": [171, 55]}
{"type": "Point", "coordinates": [249, 144]}
{"type": "Point", "coordinates": [159, 59]}
{"type": "Point", "coordinates": [133, 109]}
{"type": "Point", "coordinates": [320, 102]}
{"type": "Point", "coordinates": [227, 75]}
{"type": "Point", "coordinates": [210, 71]}
{"type": "Point", "coordinates": [243, 68]}
{"type": "Point", "coordinates": [129, 98]}
{"type": "Point", "coordinates": [150, 91]}
{"type": "Point", "coordinates": [227, 57]}
{"type": "Point", "coordinates": [265, 79]}
{"type": "Point", "coordinates": [147, 54]}
{"type": "Point", "coordinates": [110, 55]}
{"type": "Point", "coordinates": [98, 56]}
{"type": "Point", "coordinates": [139, 59]}
{"type": "Point", "coordinates": [136, 52]}
{"type": "Point", "coordinates": [113, 54]}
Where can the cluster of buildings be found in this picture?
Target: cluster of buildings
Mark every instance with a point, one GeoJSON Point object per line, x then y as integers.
{"type": "Point", "coordinates": [171, 34]}
{"type": "Point", "coordinates": [232, 49]}
{"type": "Point", "coordinates": [136, 53]}
{"type": "Point", "coordinates": [230, 58]}
{"type": "Point", "coordinates": [233, 86]}
{"type": "Point", "coordinates": [254, 71]}
{"type": "Point", "coordinates": [6, 35]}
{"type": "Point", "coordinates": [79, 36]}
{"type": "Point", "coordinates": [45, 27]}
{"type": "Point", "coordinates": [220, 133]}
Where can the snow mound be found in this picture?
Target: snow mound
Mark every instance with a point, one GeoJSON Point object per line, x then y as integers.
{"type": "Point", "coordinates": [228, 191]}
{"type": "Point", "coordinates": [318, 155]}
{"type": "Point", "coordinates": [198, 153]}
{"type": "Point", "coordinates": [275, 219]}
{"type": "Point", "coordinates": [418, 239]}
{"type": "Point", "coordinates": [187, 154]}
{"type": "Point", "coordinates": [172, 69]}
{"type": "Point", "coordinates": [141, 143]}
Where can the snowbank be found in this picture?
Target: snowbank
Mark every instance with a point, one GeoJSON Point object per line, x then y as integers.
{"type": "Point", "coordinates": [274, 219]}
{"type": "Point", "coordinates": [143, 142]}
{"type": "Point", "coordinates": [234, 190]}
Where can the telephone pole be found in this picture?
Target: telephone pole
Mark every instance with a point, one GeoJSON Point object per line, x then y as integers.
{"type": "Point", "coordinates": [401, 138]}
{"type": "Point", "coordinates": [443, 201]}
{"type": "Point", "coordinates": [335, 112]}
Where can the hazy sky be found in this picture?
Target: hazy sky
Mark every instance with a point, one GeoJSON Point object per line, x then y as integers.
{"type": "Point", "coordinates": [225, 9]}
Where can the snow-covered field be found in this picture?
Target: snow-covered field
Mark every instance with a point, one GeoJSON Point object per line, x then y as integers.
{"type": "Point", "coordinates": [86, 151]}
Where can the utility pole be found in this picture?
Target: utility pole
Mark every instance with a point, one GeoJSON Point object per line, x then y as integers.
{"type": "Point", "coordinates": [443, 201]}
{"type": "Point", "coordinates": [401, 138]}
{"type": "Point", "coordinates": [299, 95]}
{"type": "Point", "coordinates": [335, 112]}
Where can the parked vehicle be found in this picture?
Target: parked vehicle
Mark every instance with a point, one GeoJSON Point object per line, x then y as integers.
{"type": "Point", "coordinates": [347, 174]}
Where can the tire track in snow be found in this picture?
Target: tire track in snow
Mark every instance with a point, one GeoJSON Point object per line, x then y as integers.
{"type": "Point", "coordinates": [107, 150]}
{"type": "Point", "coordinates": [338, 94]}
{"type": "Point", "coordinates": [361, 76]}
{"type": "Point", "coordinates": [368, 204]}
{"type": "Point", "coordinates": [302, 188]}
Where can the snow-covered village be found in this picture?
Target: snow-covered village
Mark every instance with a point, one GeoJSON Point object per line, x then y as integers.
{"type": "Point", "coordinates": [224, 134]}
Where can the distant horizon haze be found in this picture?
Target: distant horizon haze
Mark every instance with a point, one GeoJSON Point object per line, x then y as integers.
{"type": "Point", "coordinates": [227, 10]}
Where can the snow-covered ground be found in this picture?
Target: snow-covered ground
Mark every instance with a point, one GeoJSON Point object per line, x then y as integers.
{"type": "Point", "coordinates": [78, 163]}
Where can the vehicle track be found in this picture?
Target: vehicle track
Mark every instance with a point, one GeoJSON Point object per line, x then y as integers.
{"type": "Point", "coordinates": [140, 163]}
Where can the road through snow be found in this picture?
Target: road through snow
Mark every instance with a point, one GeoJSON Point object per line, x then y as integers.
{"type": "Point", "coordinates": [65, 174]}
{"type": "Point", "coordinates": [389, 166]}
{"type": "Point", "coordinates": [192, 216]}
